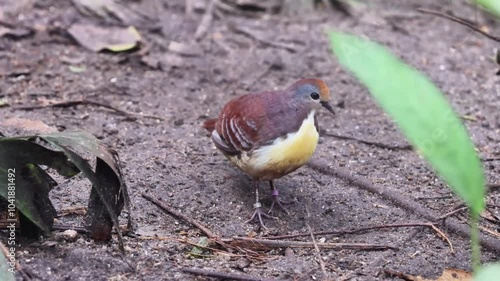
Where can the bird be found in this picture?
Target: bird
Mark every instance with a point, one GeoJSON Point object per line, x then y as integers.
{"type": "Point", "coordinates": [270, 134]}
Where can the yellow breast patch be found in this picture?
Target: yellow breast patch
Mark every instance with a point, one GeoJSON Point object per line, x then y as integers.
{"type": "Point", "coordinates": [296, 148]}
{"type": "Point", "coordinates": [284, 155]}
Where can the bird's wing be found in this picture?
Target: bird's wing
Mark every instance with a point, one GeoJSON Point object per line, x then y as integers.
{"type": "Point", "coordinates": [237, 128]}
{"type": "Point", "coordinates": [258, 119]}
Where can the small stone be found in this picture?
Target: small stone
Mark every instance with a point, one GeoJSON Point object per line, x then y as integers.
{"type": "Point", "coordinates": [69, 235]}
{"type": "Point", "coordinates": [179, 122]}
{"type": "Point", "coordinates": [289, 252]}
{"type": "Point", "coordinates": [242, 263]}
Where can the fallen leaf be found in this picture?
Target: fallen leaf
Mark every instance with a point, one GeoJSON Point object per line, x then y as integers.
{"type": "Point", "coordinates": [21, 157]}
{"type": "Point", "coordinates": [449, 274]}
{"type": "Point", "coordinates": [185, 49]}
{"type": "Point", "coordinates": [15, 33]}
{"type": "Point", "coordinates": [110, 10]}
{"type": "Point", "coordinates": [77, 69]}
{"type": "Point", "coordinates": [34, 126]}
{"type": "Point", "coordinates": [3, 102]}
{"type": "Point", "coordinates": [98, 38]}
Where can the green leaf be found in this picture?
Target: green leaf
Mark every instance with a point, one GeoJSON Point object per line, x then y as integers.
{"type": "Point", "coordinates": [24, 154]}
{"type": "Point", "coordinates": [421, 112]}
{"type": "Point", "coordinates": [109, 193]}
{"type": "Point", "coordinates": [488, 273]}
{"type": "Point", "coordinates": [492, 6]}
{"type": "Point", "coordinates": [29, 184]}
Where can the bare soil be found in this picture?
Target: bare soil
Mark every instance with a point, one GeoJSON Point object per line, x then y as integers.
{"type": "Point", "coordinates": [175, 161]}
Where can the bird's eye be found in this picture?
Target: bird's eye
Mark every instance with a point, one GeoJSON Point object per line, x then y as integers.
{"type": "Point", "coordinates": [315, 96]}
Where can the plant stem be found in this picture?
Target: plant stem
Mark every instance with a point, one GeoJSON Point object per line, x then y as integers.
{"type": "Point", "coordinates": [474, 237]}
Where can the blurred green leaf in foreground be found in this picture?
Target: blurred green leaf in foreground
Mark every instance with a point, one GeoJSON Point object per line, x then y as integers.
{"type": "Point", "coordinates": [421, 112]}
{"type": "Point", "coordinates": [492, 6]}
{"type": "Point", "coordinates": [423, 115]}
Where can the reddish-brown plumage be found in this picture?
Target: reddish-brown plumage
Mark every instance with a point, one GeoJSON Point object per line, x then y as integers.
{"type": "Point", "coordinates": [256, 119]}
{"type": "Point", "coordinates": [209, 124]}
{"type": "Point", "coordinates": [251, 129]}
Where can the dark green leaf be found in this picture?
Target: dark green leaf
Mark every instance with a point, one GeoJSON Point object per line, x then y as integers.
{"type": "Point", "coordinates": [19, 160]}
{"type": "Point", "coordinates": [109, 193]}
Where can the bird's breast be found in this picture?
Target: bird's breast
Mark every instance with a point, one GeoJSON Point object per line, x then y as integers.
{"type": "Point", "coordinates": [283, 155]}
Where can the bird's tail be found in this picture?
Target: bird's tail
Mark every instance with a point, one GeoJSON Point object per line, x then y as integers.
{"type": "Point", "coordinates": [209, 124]}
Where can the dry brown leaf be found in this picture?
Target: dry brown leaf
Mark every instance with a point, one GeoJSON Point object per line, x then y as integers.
{"type": "Point", "coordinates": [453, 274]}
{"type": "Point", "coordinates": [449, 274]}
{"type": "Point", "coordinates": [34, 126]}
{"type": "Point", "coordinates": [110, 10]}
{"type": "Point", "coordinates": [98, 38]}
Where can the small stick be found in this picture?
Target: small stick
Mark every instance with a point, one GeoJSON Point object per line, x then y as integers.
{"type": "Point", "coordinates": [224, 276]}
{"type": "Point", "coordinates": [377, 144]}
{"type": "Point", "coordinates": [318, 254]}
{"type": "Point", "coordinates": [205, 21]}
{"type": "Point", "coordinates": [174, 213]}
{"type": "Point", "coordinates": [460, 21]}
{"type": "Point", "coordinates": [79, 229]}
{"type": "Point", "coordinates": [400, 200]}
{"type": "Point", "coordinates": [267, 243]}
{"type": "Point", "coordinates": [251, 34]}
{"type": "Point", "coordinates": [451, 213]}
{"type": "Point", "coordinates": [89, 102]}
{"type": "Point", "coordinates": [189, 7]}
{"type": "Point", "coordinates": [401, 275]}
{"type": "Point", "coordinates": [354, 231]}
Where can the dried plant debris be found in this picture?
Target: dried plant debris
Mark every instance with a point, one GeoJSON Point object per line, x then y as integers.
{"type": "Point", "coordinates": [498, 60]}
{"type": "Point", "coordinates": [15, 32]}
{"type": "Point", "coordinates": [21, 161]}
{"type": "Point", "coordinates": [111, 11]}
{"type": "Point", "coordinates": [449, 274]}
{"type": "Point", "coordinates": [97, 38]}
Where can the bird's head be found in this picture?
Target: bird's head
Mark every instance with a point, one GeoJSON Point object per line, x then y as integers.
{"type": "Point", "coordinates": [312, 92]}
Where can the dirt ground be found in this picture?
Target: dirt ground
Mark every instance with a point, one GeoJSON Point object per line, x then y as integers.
{"type": "Point", "coordinates": [175, 160]}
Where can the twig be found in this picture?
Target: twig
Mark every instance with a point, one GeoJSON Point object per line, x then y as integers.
{"type": "Point", "coordinates": [318, 254]}
{"type": "Point", "coordinates": [251, 34]}
{"type": "Point", "coordinates": [224, 276]}
{"type": "Point", "coordinates": [451, 213]}
{"type": "Point", "coordinates": [205, 21]}
{"type": "Point", "coordinates": [264, 244]}
{"type": "Point", "coordinates": [375, 227]}
{"type": "Point", "coordinates": [188, 7]}
{"type": "Point", "coordinates": [377, 144]}
{"type": "Point", "coordinates": [77, 210]}
{"type": "Point", "coordinates": [490, 159]}
{"type": "Point", "coordinates": [79, 229]}
{"type": "Point", "coordinates": [493, 185]}
{"type": "Point", "coordinates": [89, 102]}
{"type": "Point", "coordinates": [401, 275]}
{"type": "Point", "coordinates": [402, 201]}
{"type": "Point", "coordinates": [460, 21]}
{"type": "Point", "coordinates": [173, 212]}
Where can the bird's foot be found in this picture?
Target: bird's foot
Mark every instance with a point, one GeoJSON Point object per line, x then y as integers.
{"type": "Point", "coordinates": [258, 214]}
{"type": "Point", "coordinates": [277, 202]}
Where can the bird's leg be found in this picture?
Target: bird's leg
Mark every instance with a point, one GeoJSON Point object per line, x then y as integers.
{"type": "Point", "coordinates": [258, 213]}
{"type": "Point", "coordinates": [276, 199]}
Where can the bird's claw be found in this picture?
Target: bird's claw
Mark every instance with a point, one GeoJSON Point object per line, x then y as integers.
{"type": "Point", "coordinates": [258, 214]}
{"type": "Point", "coordinates": [277, 202]}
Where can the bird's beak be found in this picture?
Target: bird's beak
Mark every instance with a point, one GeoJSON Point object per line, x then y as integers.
{"type": "Point", "coordinates": [326, 105]}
